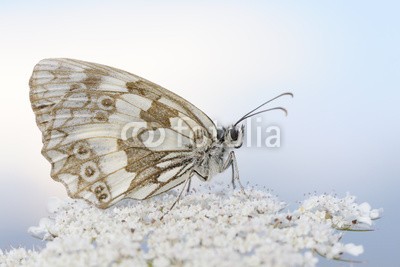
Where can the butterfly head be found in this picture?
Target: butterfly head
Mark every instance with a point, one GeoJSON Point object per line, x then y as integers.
{"type": "Point", "coordinates": [231, 136]}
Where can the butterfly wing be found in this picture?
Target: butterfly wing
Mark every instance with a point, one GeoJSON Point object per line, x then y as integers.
{"type": "Point", "coordinates": [96, 123]}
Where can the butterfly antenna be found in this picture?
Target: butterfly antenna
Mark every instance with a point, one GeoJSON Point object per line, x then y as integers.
{"type": "Point", "coordinates": [266, 110]}
{"type": "Point", "coordinates": [249, 114]}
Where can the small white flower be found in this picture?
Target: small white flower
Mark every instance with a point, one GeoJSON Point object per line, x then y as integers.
{"type": "Point", "coordinates": [161, 262]}
{"type": "Point", "coordinates": [309, 259]}
{"type": "Point", "coordinates": [353, 249]}
{"type": "Point", "coordinates": [222, 228]}
{"type": "Point", "coordinates": [43, 231]}
{"type": "Point", "coordinates": [54, 204]}
{"type": "Point", "coordinates": [375, 214]}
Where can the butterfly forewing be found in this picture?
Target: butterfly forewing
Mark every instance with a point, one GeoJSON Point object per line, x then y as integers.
{"type": "Point", "coordinates": [95, 122]}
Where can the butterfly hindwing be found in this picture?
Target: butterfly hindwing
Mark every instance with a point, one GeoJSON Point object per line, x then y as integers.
{"type": "Point", "coordinates": [96, 123]}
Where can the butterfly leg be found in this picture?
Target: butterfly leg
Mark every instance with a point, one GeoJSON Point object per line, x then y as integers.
{"type": "Point", "coordinates": [180, 194]}
{"type": "Point", "coordinates": [188, 187]}
{"type": "Point", "coordinates": [177, 199]}
{"type": "Point", "coordinates": [231, 162]}
{"type": "Point", "coordinates": [201, 174]}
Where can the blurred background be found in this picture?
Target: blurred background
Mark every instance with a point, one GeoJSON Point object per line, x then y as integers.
{"type": "Point", "coordinates": [341, 59]}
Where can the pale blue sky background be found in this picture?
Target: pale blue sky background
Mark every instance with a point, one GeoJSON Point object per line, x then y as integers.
{"type": "Point", "coordinates": [341, 59]}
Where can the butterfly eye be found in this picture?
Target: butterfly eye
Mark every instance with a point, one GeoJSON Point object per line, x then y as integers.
{"type": "Point", "coordinates": [220, 134]}
{"type": "Point", "coordinates": [234, 134]}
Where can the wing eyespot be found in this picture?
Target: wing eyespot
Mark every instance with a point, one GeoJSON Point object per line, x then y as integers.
{"type": "Point", "coordinates": [106, 103]}
{"type": "Point", "coordinates": [81, 150]}
{"type": "Point", "coordinates": [89, 171]}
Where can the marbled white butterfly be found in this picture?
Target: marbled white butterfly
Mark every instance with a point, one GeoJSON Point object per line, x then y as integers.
{"type": "Point", "coordinates": [102, 128]}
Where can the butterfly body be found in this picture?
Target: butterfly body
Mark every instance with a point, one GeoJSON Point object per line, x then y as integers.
{"type": "Point", "coordinates": [217, 157]}
{"type": "Point", "coordinates": [101, 128]}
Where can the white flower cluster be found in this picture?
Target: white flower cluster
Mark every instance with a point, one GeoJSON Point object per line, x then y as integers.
{"type": "Point", "coordinates": [206, 228]}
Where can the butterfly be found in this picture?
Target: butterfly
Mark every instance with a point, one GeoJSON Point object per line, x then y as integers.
{"type": "Point", "coordinates": [101, 130]}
